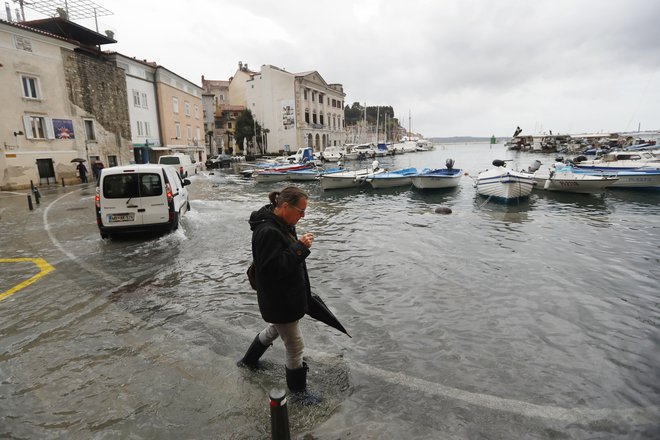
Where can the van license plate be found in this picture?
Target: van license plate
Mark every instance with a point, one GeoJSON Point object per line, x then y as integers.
{"type": "Point", "coordinates": [128, 217]}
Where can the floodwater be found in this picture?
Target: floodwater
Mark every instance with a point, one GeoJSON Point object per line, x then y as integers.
{"type": "Point", "coordinates": [538, 319]}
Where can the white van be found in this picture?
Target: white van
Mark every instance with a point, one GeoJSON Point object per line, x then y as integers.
{"type": "Point", "coordinates": [139, 198]}
{"type": "Point", "coordinates": [183, 163]}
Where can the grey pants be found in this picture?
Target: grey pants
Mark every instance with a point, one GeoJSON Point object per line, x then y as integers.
{"type": "Point", "coordinates": [292, 338]}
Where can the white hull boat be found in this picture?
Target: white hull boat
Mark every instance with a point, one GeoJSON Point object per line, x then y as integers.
{"type": "Point", "coordinates": [503, 183]}
{"type": "Point", "coordinates": [347, 179]}
{"type": "Point", "coordinates": [270, 176]}
{"type": "Point", "coordinates": [331, 154]}
{"type": "Point", "coordinates": [563, 179]}
{"type": "Point", "coordinates": [437, 178]}
{"type": "Point", "coordinates": [391, 179]}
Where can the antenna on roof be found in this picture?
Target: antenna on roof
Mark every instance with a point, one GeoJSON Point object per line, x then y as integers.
{"type": "Point", "coordinates": [72, 10]}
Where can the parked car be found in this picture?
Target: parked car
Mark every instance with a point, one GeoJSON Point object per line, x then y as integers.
{"type": "Point", "coordinates": [183, 163]}
{"type": "Point", "coordinates": [139, 198]}
{"type": "Point", "coordinates": [219, 161]}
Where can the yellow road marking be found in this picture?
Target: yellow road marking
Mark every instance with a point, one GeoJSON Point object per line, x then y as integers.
{"type": "Point", "coordinates": [44, 269]}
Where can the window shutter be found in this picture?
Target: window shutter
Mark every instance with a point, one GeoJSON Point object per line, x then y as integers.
{"type": "Point", "coordinates": [50, 131]}
{"type": "Point", "coordinates": [27, 122]}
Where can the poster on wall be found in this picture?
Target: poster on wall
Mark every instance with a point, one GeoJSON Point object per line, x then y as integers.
{"type": "Point", "coordinates": [63, 129]}
{"type": "Point", "coordinates": [288, 114]}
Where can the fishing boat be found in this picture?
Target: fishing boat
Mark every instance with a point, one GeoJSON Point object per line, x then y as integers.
{"type": "Point", "coordinates": [279, 173]}
{"type": "Point", "coordinates": [391, 179]}
{"type": "Point", "coordinates": [503, 183]}
{"type": "Point", "coordinates": [310, 174]}
{"type": "Point", "coordinates": [331, 154]}
{"type": "Point", "coordinates": [348, 179]}
{"type": "Point", "coordinates": [560, 177]}
{"type": "Point", "coordinates": [642, 178]}
{"type": "Point", "coordinates": [620, 160]}
{"type": "Point", "coordinates": [438, 178]}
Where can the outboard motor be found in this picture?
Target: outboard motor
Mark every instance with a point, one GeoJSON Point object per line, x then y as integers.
{"type": "Point", "coordinates": [449, 163]}
{"type": "Point", "coordinates": [579, 159]}
{"type": "Point", "coordinates": [374, 165]}
{"type": "Point", "coordinates": [498, 163]}
{"type": "Point", "coordinates": [534, 166]}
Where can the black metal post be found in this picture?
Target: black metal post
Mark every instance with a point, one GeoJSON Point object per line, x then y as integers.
{"type": "Point", "coordinates": [30, 202]}
{"type": "Point", "coordinates": [63, 182]}
{"type": "Point", "coordinates": [31, 185]}
{"type": "Point", "coordinates": [279, 415]}
{"type": "Point", "coordinates": [37, 196]}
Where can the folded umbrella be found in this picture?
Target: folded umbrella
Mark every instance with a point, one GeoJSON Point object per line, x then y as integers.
{"type": "Point", "coordinates": [319, 311]}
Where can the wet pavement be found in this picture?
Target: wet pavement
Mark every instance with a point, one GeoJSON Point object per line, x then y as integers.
{"type": "Point", "coordinates": [138, 337]}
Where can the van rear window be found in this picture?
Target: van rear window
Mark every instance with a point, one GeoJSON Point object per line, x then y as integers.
{"type": "Point", "coordinates": [123, 186]}
{"type": "Point", "coordinates": [169, 160]}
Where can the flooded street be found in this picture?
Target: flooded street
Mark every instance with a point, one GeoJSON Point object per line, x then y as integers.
{"type": "Point", "coordinates": [538, 320]}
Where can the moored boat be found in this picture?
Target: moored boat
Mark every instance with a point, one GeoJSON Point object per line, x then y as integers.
{"type": "Point", "coordinates": [391, 179]}
{"type": "Point", "coordinates": [347, 179]}
{"type": "Point", "coordinates": [437, 178]}
{"type": "Point", "coordinates": [503, 183]}
{"type": "Point", "coordinates": [561, 178]}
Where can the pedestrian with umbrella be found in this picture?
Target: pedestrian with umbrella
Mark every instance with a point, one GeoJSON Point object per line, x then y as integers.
{"type": "Point", "coordinates": [82, 169]}
{"type": "Point", "coordinates": [282, 284]}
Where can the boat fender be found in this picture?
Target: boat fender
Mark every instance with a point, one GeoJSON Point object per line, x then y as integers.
{"type": "Point", "coordinates": [498, 163]}
{"type": "Point", "coordinates": [546, 185]}
{"type": "Point", "coordinates": [442, 210]}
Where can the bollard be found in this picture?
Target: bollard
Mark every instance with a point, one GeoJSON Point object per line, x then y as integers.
{"type": "Point", "coordinates": [279, 415]}
{"type": "Point", "coordinates": [37, 196]}
{"type": "Point", "coordinates": [30, 202]}
{"type": "Point", "coordinates": [31, 185]}
{"type": "Point", "coordinates": [63, 182]}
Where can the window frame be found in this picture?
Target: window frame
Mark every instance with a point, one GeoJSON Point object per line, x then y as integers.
{"type": "Point", "coordinates": [35, 87]}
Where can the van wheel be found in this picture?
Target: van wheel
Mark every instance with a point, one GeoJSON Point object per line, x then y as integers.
{"type": "Point", "coordinates": [105, 235]}
{"type": "Point", "coordinates": [175, 223]}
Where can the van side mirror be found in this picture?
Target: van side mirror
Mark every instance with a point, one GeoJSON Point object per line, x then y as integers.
{"type": "Point", "coordinates": [186, 182]}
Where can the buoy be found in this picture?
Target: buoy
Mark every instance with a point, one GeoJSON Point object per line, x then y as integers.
{"type": "Point", "coordinates": [466, 174]}
{"type": "Point", "coordinates": [442, 210]}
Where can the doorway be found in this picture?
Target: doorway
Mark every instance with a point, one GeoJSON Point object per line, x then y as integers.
{"type": "Point", "coordinates": [46, 171]}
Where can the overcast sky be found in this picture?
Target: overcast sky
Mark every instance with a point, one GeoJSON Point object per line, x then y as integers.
{"type": "Point", "coordinates": [460, 67]}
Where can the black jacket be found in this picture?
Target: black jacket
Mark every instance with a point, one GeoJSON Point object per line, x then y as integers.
{"type": "Point", "coordinates": [283, 288]}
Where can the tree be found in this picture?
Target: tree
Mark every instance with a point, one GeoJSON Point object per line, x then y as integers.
{"type": "Point", "coordinates": [245, 129]}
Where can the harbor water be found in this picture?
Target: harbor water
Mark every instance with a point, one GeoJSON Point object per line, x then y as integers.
{"type": "Point", "coordinates": [534, 319]}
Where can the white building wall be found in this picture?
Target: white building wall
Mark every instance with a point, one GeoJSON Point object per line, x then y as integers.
{"type": "Point", "coordinates": [40, 57]}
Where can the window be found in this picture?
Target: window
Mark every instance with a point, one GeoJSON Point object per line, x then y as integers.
{"type": "Point", "coordinates": [177, 130]}
{"type": "Point", "coordinates": [175, 104]}
{"type": "Point", "coordinates": [112, 161]}
{"type": "Point", "coordinates": [321, 119]}
{"type": "Point", "coordinates": [136, 98]}
{"type": "Point", "coordinates": [305, 94]}
{"type": "Point", "coordinates": [314, 118]}
{"type": "Point", "coordinates": [186, 108]}
{"type": "Point", "coordinates": [320, 98]}
{"type": "Point", "coordinates": [30, 87]}
{"type": "Point", "coordinates": [140, 130]}
{"type": "Point", "coordinates": [307, 115]}
{"type": "Point", "coordinates": [144, 100]}
{"type": "Point", "coordinates": [189, 132]}
{"type": "Point", "coordinates": [147, 129]}
{"type": "Point", "coordinates": [90, 134]}
{"type": "Point", "coordinates": [229, 125]}
{"type": "Point", "coordinates": [196, 112]}
{"type": "Point", "coordinates": [38, 127]}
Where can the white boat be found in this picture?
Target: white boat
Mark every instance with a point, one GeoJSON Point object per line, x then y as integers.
{"type": "Point", "coordinates": [331, 154]}
{"type": "Point", "coordinates": [437, 178]}
{"type": "Point", "coordinates": [310, 174]}
{"type": "Point", "coordinates": [620, 160]}
{"type": "Point", "coordinates": [503, 183]}
{"type": "Point", "coordinates": [348, 152]}
{"type": "Point", "coordinates": [560, 177]}
{"type": "Point", "coordinates": [644, 178]}
{"type": "Point", "coordinates": [424, 145]}
{"type": "Point", "coordinates": [391, 179]}
{"type": "Point", "coordinates": [347, 179]}
{"type": "Point", "coordinates": [270, 176]}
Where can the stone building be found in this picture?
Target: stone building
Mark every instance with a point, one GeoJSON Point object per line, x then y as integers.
{"type": "Point", "coordinates": [62, 100]}
{"type": "Point", "coordinates": [296, 109]}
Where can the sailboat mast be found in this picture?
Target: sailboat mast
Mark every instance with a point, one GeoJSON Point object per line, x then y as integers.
{"type": "Point", "coordinates": [409, 125]}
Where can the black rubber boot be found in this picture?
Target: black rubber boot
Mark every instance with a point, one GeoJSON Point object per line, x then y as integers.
{"type": "Point", "coordinates": [296, 380]}
{"type": "Point", "coordinates": [251, 358]}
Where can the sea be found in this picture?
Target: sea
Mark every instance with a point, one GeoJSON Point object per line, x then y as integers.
{"type": "Point", "coordinates": [539, 318]}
